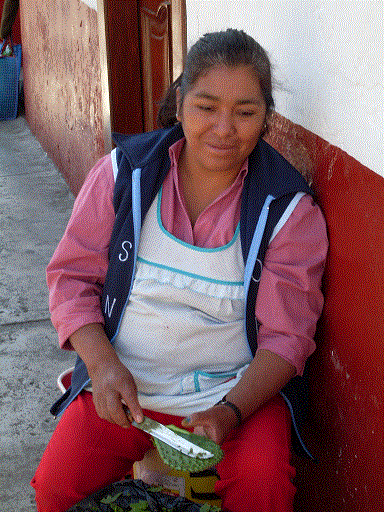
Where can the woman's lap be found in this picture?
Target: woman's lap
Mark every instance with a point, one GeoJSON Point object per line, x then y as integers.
{"type": "Point", "coordinates": [87, 453]}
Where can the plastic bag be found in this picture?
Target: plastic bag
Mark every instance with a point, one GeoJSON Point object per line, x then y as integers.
{"type": "Point", "coordinates": [10, 65]}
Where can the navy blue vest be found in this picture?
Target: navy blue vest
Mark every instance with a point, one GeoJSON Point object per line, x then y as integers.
{"type": "Point", "coordinates": [143, 162]}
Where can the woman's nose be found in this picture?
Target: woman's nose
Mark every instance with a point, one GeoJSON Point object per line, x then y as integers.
{"type": "Point", "coordinates": [224, 124]}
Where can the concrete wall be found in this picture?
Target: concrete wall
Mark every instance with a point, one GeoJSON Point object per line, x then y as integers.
{"type": "Point", "coordinates": [62, 83]}
{"type": "Point", "coordinates": [328, 58]}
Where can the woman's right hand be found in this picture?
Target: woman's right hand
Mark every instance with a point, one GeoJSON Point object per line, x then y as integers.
{"type": "Point", "coordinates": [112, 382]}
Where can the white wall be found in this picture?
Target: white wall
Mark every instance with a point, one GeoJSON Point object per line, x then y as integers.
{"type": "Point", "coordinates": [91, 3]}
{"type": "Point", "coordinates": [328, 56]}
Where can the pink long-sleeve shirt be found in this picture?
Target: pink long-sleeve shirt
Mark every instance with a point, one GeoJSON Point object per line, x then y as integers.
{"type": "Point", "coordinates": [289, 300]}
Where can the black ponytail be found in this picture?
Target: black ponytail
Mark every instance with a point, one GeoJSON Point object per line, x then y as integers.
{"type": "Point", "coordinates": [168, 107]}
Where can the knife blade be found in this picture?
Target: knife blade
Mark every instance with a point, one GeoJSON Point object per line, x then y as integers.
{"type": "Point", "coordinates": [165, 434]}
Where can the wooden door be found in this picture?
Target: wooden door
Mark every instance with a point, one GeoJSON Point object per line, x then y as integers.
{"type": "Point", "coordinates": [144, 44]}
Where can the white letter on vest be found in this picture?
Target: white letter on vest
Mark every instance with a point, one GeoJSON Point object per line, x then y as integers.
{"type": "Point", "coordinates": [108, 309]}
{"type": "Point", "coordinates": [123, 257]}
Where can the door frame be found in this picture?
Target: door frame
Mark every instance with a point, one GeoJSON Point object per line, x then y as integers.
{"type": "Point", "coordinates": [179, 36]}
{"type": "Point", "coordinates": [122, 91]}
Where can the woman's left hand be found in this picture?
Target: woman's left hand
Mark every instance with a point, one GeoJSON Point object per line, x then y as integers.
{"type": "Point", "coordinates": [215, 423]}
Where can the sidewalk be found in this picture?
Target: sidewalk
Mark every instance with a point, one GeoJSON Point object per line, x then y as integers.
{"type": "Point", "coordinates": [35, 204]}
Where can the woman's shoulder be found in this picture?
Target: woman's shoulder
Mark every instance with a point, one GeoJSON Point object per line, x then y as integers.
{"type": "Point", "coordinates": [304, 224]}
{"type": "Point", "coordinates": [100, 178]}
{"type": "Point", "coordinates": [98, 187]}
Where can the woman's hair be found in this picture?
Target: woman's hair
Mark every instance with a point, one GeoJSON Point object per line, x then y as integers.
{"type": "Point", "coordinates": [232, 48]}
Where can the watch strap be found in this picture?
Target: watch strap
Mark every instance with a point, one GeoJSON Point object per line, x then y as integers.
{"type": "Point", "coordinates": [234, 408]}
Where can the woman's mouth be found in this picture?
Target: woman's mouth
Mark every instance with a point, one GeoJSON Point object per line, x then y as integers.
{"type": "Point", "coordinates": [221, 147]}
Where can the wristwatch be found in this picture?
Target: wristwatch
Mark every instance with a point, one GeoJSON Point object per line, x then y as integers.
{"type": "Point", "coordinates": [234, 408]}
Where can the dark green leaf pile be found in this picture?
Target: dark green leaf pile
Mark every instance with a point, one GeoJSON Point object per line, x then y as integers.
{"type": "Point", "coordinates": [137, 496]}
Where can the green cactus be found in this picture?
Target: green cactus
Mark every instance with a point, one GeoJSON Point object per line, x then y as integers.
{"type": "Point", "coordinates": [180, 461]}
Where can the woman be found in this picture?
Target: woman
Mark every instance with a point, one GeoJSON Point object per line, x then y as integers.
{"type": "Point", "coordinates": [170, 232]}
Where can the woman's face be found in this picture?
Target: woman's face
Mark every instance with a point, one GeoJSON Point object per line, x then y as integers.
{"type": "Point", "coordinates": [222, 117]}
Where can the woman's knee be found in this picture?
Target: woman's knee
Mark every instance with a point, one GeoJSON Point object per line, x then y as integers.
{"type": "Point", "coordinates": [50, 497]}
{"type": "Point", "coordinates": [256, 470]}
{"type": "Point", "coordinates": [260, 485]}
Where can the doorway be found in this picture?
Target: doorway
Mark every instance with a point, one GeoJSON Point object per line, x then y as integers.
{"type": "Point", "coordinates": [142, 48]}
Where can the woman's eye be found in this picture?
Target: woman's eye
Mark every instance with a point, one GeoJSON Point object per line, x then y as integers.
{"type": "Point", "coordinates": [246, 113]}
{"type": "Point", "coordinates": [205, 108]}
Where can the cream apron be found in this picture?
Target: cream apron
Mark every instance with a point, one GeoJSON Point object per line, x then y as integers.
{"type": "Point", "coordinates": [182, 332]}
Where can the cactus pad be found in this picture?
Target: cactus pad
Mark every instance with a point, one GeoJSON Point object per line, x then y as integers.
{"type": "Point", "coordinates": [180, 461]}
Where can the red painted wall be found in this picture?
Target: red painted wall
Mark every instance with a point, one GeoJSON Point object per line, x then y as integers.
{"type": "Point", "coordinates": [347, 394]}
{"type": "Point", "coordinates": [16, 32]}
{"type": "Point", "coordinates": [62, 83]}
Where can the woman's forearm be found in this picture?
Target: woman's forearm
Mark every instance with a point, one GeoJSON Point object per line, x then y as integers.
{"type": "Point", "coordinates": [265, 377]}
{"type": "Point", "coordinates": [92, 345]}
{"type": "Point", "coordinates": [112, 382]}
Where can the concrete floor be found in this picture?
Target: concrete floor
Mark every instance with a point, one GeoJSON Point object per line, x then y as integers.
{"type": "Point", "coordinates": [35, 204]}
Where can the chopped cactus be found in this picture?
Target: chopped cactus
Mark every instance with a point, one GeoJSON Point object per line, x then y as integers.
{"type": "Point", "coordinates": [182, 462]}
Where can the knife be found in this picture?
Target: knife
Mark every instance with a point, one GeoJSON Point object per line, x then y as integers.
{"type": "Point", "coordinates": [165, 434]}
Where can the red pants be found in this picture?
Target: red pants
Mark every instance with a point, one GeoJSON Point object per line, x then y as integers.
{"type": "Point", "coordinates": [87, 453]}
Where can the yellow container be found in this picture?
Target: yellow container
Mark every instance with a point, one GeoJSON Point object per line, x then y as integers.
{"type": "Point", "coordinates": [197, 487]}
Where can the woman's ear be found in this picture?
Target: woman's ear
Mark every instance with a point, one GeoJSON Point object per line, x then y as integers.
{"type": "Point", "coordinates": [178, 104]}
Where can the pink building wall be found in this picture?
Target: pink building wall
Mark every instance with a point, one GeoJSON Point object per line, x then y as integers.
{"type": "Point", "coordinates": [62, 83]}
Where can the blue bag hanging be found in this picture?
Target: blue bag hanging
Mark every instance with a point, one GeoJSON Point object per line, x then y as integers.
{"type": "Point", "coordinates": [10, 65]}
